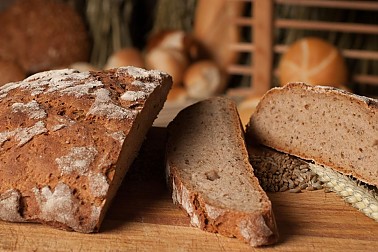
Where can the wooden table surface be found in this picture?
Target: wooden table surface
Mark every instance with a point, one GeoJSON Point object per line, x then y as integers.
{"type": "Point", "coordinates": [143, 218]}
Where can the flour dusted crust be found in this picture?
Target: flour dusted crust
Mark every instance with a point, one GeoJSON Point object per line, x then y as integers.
{"type": "Point", "coordinates": [210, 176]}
{"type": "Point", "coordinates": [67, 139]}
{"type": "Point", "coordinates": [327, 125]}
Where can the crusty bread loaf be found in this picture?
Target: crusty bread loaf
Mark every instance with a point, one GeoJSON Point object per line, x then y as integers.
{"type": "Point", "coordinates": [42, 35]}
{"type": "Point", "coordinates": [210, 176]}
{"type": "Point", "coordinates": [327, 125]}
{"type": "Point", "coordinates": [67, 138]}
{"type": "Point", "coordinates": [313, 61]}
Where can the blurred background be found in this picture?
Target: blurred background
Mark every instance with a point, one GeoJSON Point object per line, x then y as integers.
{"type": "Point", "coordinates": [236, 47]}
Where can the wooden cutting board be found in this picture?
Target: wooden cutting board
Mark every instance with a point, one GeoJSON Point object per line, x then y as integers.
{"type": "Point", "coordinates": [143, 218]}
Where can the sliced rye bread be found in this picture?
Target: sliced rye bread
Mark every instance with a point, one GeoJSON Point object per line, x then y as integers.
{"type": "Point", "coordinates": [329, 126]}
{"type": "Point", "coordinates": [67, 139]}
{"type": "Point", "coordinates": [210, 176]}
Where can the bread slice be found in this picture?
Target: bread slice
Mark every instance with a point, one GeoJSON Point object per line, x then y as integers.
{"type": "Point", "coordinates": [210, 176]}
{"type": "Point", "coordinates": [329, 126]}
{"type": "Point", "coordinates": [67, 138]}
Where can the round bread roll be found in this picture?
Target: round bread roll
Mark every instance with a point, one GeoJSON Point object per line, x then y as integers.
{"type": "Point", "coordinates": [167, 39]}
{"type": "Point", "coordinates": [125, 57]}
{"type": "Point", "coordinates": [42, 34]}
{"type": "Point", "coordinates": [175, 39]}
{"type": "Point", "coordinates": [10, 72]}
{"type": "Point", "coordinates": [313, 61]}
{"type": "Point", "coordinates": [177, 95]}
{"type": "Point", "coordinates": [169, 60]}
{"type": "Point", "coordinates": [203, 79]}
{"type": "Point", "coordinates": [83, 67]}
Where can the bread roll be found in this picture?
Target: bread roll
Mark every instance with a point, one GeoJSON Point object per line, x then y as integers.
{"type": "Point", "coordinates": [67, 139]}
{"type": "Point", "coordinates": [125, 57]}
{"type": "Point", "coordinates": [210, 176]}
{"type": "Point", "coordinates": [177, 95]}
{"type": "Point", "coordinates": [42, 34]}
{"type": "Point", "coordinates": [313, 61]}
{"type": "Point", "coordinates": [10, 72]}
{"type": "Point", "coordinates": [169, 60]}
{"type": "Point", "coordinates": [175, 39]}
{"type": "Point", "coordinates": [83, 67]}
{"type": "Point", "coordinates": [203, 79]}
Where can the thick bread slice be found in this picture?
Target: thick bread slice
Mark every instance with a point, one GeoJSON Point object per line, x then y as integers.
{"type": "Point", "coordinates": [210, 175]}
{"type": "Point", "coordinates": [67, 138]}
{"type": "Point", "coordinates": [329, 126]}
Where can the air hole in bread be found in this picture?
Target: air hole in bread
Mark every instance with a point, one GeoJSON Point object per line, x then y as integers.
{"type": "Point", "coordinates": [212, 175]}
{"type": "Point", "coordinates": [62, 112]}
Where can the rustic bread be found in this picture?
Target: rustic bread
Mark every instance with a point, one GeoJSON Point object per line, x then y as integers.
{"type": "Point", "coordinates": [210, 176]}
{"type": "Point", "coordinates": [327, 125]}
{"type": "Point", "coordinates": [67, 138]}
{"type": "Point", "coordinates": [42, 35]}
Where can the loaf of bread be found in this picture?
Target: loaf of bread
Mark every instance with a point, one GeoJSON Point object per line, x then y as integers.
{"type": "Point", "coordinates": [42, 35]}
{"type": "Point", "coordinates": [210, 176]}
{"type": "Point", "coordinates": [313, 61]}
{"type": "Point", "coordinates": [329, 126]}
{"type": "Point", "coordinates": [67, 138]}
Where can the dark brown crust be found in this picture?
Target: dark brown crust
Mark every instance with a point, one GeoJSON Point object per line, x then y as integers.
{"type": "Point", "coordinates": [89, 131]}
{"type": "Point", "coordinates": [371, 105]}
{"type": "Point", "coordinates": [259, 227]}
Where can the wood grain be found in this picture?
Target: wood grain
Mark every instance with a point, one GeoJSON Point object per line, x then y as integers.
{"type": "Point", "coordinates": [143, 218]}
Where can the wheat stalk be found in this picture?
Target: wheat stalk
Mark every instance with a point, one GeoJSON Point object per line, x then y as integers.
{"type": "Point", "coordinates": [357, 195]}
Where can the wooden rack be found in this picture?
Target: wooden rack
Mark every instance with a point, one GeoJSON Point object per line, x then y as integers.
{"type": "Point", "coordinates": [263, 48]}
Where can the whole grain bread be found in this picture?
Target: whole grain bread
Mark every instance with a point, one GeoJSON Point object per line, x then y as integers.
{"type": "Point", "coordinates": [326, 125]}
{"type": "Point", "coordinates": [67, 139]}
{"type": "Point", "coordinates": [210, 176]}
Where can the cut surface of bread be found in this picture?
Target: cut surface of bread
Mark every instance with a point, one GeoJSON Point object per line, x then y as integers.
{"type": "Point", "coordinates": [327, 125]}
{"type": "Point", "coordinates": [67, 139]}
{"type": "Point", "coordinates": [210, 176]}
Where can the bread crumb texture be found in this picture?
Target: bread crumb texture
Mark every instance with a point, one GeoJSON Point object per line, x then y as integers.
{"type": "Point", "coordinates": [61, 133]}
{"type": "Point", "coordinates": [210, 175]}
{"type": "Point", "coordinates": [330, 126]}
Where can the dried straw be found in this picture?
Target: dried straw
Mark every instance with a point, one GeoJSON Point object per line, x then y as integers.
{"type": "Point", "coordinates": [177, 14]}
{"type": "Point", "coordinates": [109, 26]}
